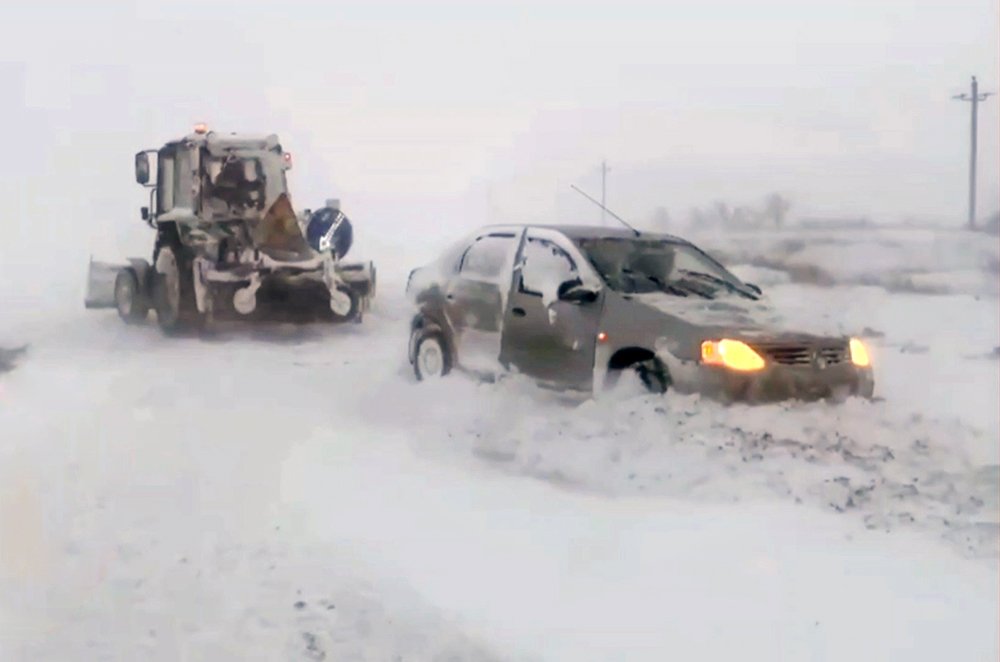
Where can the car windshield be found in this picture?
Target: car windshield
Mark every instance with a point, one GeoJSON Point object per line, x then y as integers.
{"type": "Point", "coordinates": [638, 266]}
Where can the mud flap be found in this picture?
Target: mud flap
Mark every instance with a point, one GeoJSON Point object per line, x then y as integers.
{"type": "Point", "coordinates": [101, 284]}
{"type": "Point", "coordinates": [279, 234]}
{"type": "Point", "coordinates": [360, 277]}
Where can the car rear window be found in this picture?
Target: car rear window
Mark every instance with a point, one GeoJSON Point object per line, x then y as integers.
{"type": "Point", "coordinates": [486, 257]}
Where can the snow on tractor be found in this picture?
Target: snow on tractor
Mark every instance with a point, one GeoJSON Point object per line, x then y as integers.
{"type": "Point", "coordinates": [229, 245]}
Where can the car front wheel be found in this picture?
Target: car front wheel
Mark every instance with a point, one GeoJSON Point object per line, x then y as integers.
{"type": "Point", "coordinates": [651, 372]}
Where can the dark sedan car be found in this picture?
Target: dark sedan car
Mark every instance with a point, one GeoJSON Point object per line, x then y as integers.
{"type": "Point", "coordinates": [575, 306]}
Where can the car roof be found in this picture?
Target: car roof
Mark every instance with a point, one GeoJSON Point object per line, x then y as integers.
{"type": "Point", "coordinates": [592, 232]}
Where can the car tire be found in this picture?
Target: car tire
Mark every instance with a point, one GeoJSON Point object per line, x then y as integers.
{"type": "Point", "coordinates": [652, 373]}
{"type": "Point", "coordinates": [431, 359]}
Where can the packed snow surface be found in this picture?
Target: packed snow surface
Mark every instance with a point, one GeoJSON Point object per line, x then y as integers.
{"type": "Point", "coordinates": [293, 493]}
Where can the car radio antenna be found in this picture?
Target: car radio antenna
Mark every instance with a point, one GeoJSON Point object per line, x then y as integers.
{"type": "Point", "coordinates": [614, 215]}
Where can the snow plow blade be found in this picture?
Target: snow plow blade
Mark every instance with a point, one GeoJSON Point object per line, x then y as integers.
{"type": "Point", "coordinates": [101, 284]}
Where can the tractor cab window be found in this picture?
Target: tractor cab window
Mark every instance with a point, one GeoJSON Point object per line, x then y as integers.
{"type": "Point", "coordinates": [233, 185]}
{"type": "Point", "coordinates": [184, 178]}
{"type": "Point", "coordinates": [165, 182]}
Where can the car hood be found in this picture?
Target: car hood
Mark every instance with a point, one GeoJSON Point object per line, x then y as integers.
{"type": "Point", "coordinates": [736, 315]}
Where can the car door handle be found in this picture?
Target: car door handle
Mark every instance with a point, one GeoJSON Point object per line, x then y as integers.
{"type": "Point", "coordinates": [518, 312]}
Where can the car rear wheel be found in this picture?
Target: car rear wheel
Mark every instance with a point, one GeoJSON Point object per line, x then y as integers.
{"type": "Point", "coordinates": [431, 358]}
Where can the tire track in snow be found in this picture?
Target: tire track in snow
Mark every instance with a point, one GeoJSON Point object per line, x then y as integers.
{"type": "Point", "coordinates": [884, 469]}
{"type": "Point", "coordinates": [139, 478]}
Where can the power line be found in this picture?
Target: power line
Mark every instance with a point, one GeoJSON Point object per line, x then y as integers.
{"type": "Point", "coordinates": [975, 98]}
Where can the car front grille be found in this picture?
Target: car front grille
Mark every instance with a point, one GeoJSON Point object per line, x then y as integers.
{"type": "Point", "coordinates": [803, 354]}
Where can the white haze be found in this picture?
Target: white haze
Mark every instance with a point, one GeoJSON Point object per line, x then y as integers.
{"type": "Point", "coordinates": [288, 495]}
{"type": "Point", "coordinates": [424, 119]}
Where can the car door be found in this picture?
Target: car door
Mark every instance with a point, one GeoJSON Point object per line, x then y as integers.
{"type": "Point", "coordinates": [476, 297]}
{"type": "Point", "coordinates": [544, 337]}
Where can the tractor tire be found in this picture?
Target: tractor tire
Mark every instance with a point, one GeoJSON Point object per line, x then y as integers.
{"type": "Point", "coordinates": [131, 301]}
{"type": "Point", "coordinates": [173, 292]}
{"type": "Point", "coordinates": [350, 308]}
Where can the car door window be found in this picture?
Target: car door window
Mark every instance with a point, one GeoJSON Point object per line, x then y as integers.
{"type": "Point", "coordinates": [486, 258]}
{"type": "Point", "coordinates": [544, 267]}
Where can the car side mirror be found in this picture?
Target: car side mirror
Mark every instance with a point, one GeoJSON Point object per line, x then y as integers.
{"type": "Point", "coordinates": [574, 291]}
{"type": "Point", "coordinates": [145, 213]}
{"type": "Point", "coordinates": [142, 168]}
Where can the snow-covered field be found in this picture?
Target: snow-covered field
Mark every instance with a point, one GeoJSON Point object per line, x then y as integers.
{"type": "Point", "coordinates": [294, 494]}
{"type": "Point", "coordinates": [898, 259]}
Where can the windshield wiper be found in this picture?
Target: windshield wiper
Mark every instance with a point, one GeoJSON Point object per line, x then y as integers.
{"type": "Point", "coordinates": [674, 288]}
{"type": "Point", "coordinates": [719, 281]}
{"type": "Point", "coordinates": [669, 288]}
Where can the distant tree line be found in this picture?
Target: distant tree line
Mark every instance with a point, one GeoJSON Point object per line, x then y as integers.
{"type": "Point", "coordinates": [773, 213]}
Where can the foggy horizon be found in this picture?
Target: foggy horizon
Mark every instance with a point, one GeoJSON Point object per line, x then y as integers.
{"type": "Point", "coordinates": [455, 115]}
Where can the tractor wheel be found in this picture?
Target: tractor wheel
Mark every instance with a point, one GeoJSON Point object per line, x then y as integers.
{"type": "Point", "coordinates": [173, 292]}
{"type": "Point", "coordinates": [345, 304]}
{"type": "Point", "coordinates": [130, 300]}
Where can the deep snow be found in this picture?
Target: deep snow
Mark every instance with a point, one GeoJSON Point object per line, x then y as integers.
{"type": "Point", "coordinates": [213, 499]}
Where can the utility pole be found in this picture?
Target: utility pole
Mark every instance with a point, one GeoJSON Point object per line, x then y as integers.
{"type": "Point", "coordinates": [604, 179]}
{"type": "Point", "coordinates": [975, 98]}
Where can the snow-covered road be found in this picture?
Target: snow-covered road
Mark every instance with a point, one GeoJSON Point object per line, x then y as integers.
{"type": "Point", "coordinates": [293, 494]}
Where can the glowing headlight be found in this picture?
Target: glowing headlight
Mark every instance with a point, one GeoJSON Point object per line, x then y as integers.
{"type": "Point", "coordinates": [859, 355]}
{"type": "Point", "coordinates": [733, 354]}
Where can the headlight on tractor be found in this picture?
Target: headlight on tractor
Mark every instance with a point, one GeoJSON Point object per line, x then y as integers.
{"type": "Point", "coordinates": [733, 354]}
{"type": "Point", "coordinates": [859, 354]}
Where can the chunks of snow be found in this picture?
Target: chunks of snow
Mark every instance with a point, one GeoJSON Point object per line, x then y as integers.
{"type": "Point", "coordinates": [544, 267]}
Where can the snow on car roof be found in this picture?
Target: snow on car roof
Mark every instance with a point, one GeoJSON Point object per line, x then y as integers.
{"type": "Point", "coordinates": [601, 232]}
{"type": "Point", "coordinates": [586, 232]}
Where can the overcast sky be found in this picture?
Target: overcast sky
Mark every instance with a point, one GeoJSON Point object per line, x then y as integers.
{"type": "Point", "coordinates": [417, 116]}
